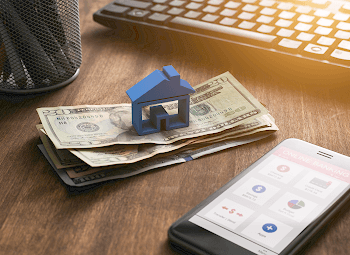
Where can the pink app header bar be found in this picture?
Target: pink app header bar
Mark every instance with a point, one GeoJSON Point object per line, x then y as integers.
{"type": "Point", "coordinates": [315, 164]}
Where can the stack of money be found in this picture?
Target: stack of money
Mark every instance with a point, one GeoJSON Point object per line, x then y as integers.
{"type": "Point", "coordinates": [88, 144]}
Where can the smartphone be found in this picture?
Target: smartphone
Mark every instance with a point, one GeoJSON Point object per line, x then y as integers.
{"type": "Point", "coordinates": [278, 205]}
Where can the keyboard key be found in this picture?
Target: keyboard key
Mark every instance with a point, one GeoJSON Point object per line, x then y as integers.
{"type": "Point", "coordinates": [344, 45]}
{"type": "Point", "coordinates": [283, 23]}
{"type": "Point", "coordinates": [232, 5]}
{"type": "Point", "coordinates": [320, 3]}
{"type": "Point", "coordinates": [268, 11]}
{"type": "Point", "coordinates": [265, 29]}
{"type": "Point", "coordinates": [193, 6]}
{"type": "Point", "coordinates": [303, 9]}
{"type": "Point", "coordinates": [285, 6]}
{"type": "Point", "coordinates": [246, 15]}
{"type": "Point", "coordinates": [305, 18]}
{"type": "Point", "coordinates": [160, 1]}
{"type": "Point", "coordinates": [228, 13]}
{"type": "Point", "coordinates": [133, 3]}
{"type": "Point", "coordinates": [210, 18]}
{"type": "Point", "coordinates": [306, 37]}
{"type": "Point", "coordinates": [285, 32]}
{"type": "Point", "coordinates": [138, 14]}
{"type": "Point", "coordinates": [158, 18]}
{"type": "Point", "coordinates": [210, 28]}
{"type": "Point", "coordinates": [322, 13]}
{"type": "Point", "coordinates": [315, 49]}
{"type": "Point", "coordinates": [327, 41]}
{"type": "Point", "coordinates": [228, 21]}
{"type": "Point", "coordinates": [192, 14]}
{"type": "Point", "coordinates": [175, 11]}
{"type": "Point", "coordinates": [342, 35]}
{"type": "Point", "coordinates": [343, 25]}
{"type": "Point", "coordinates": [177, 3]}
{"type": "Point", "coordinates": [215, 2]}
{"type": "Point", "coordinates": [249, 1]}
{"type": "Point", "coordinates": [115, 10]}
{"type": "Point", "coordinates": [345, 8]}
{"type": "Point", "coordinates": [323, 30]}
{"type": "Point", "coordinates": [288, 43]}
{"type": "Point", "coordinates": [250, 8]}
{"type": "Point", "coordinates": [286, 15]}
{"type": "Point", "coordinates": [325, 22]}
{"type": "Point", "coordinates": [211, 9]}
{"type": "Point", "coordinates": [340, 54]}
{"type": "Point", "coordinates": [267, 3]}
{"type": "Point", "coordinates": [264, 19]}
{"type": "Point", "coordinates": [159, 8]}
{"type": "Point", "coordinates": [303, 27]}
{"type": "Point", "coordinates": [341, 16]}
{"type": "Point", "coordinates": [246, 25]}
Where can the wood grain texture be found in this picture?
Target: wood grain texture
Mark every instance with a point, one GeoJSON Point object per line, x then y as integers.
{"type": "Point", "coordinates": [132, 216]}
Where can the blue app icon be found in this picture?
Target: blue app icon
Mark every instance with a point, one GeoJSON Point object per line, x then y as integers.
{"type": "Point", "coordinates": [259, 189]}
{"type": "Point", "coordinates": [269, 228]}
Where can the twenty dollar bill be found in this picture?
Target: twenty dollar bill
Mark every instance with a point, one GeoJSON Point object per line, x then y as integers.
{"type": "Point", "coordinates": [219, 104]}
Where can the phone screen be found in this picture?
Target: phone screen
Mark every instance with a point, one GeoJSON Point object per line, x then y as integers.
{"type": "Point", "coordinates": [273, 203]}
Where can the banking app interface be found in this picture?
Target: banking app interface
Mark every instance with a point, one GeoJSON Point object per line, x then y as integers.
{"type": "Point", "coordinates": [272, 204]}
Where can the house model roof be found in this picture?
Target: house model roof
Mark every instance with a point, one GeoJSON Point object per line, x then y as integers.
{"type": "Point", "coordinates": [159, 85]}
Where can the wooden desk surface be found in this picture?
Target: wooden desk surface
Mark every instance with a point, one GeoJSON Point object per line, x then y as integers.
{"type": "Point", "coordinates": [132, 216]}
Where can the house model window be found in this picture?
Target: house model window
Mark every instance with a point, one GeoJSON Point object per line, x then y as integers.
{"type": "Point", "coordinates": [160, 87]}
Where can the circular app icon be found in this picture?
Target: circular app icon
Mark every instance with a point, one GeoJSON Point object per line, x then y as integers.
{"type": "Point", "coordinates": [283, 168]}
{"type": "Point", "coordinates": [269, 228]}
{"type": "Point", "coordinates": [259, 189]}
{"type": "Point", "coordinates": [296, 204]}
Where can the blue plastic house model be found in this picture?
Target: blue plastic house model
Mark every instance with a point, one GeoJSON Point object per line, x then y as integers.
{"type": "Point", "coordinates": [160, 87]}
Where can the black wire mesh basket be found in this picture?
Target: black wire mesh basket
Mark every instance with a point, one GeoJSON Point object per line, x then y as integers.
{"type": "Point", "coordinates": [40, 45]}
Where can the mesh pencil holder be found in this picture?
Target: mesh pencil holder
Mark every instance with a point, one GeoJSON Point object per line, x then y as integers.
{"type": "Point", "coordinates": [40, 44]}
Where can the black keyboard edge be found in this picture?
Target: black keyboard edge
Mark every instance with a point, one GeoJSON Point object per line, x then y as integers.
{"type": "Point", "coordinates": [115, 22]}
